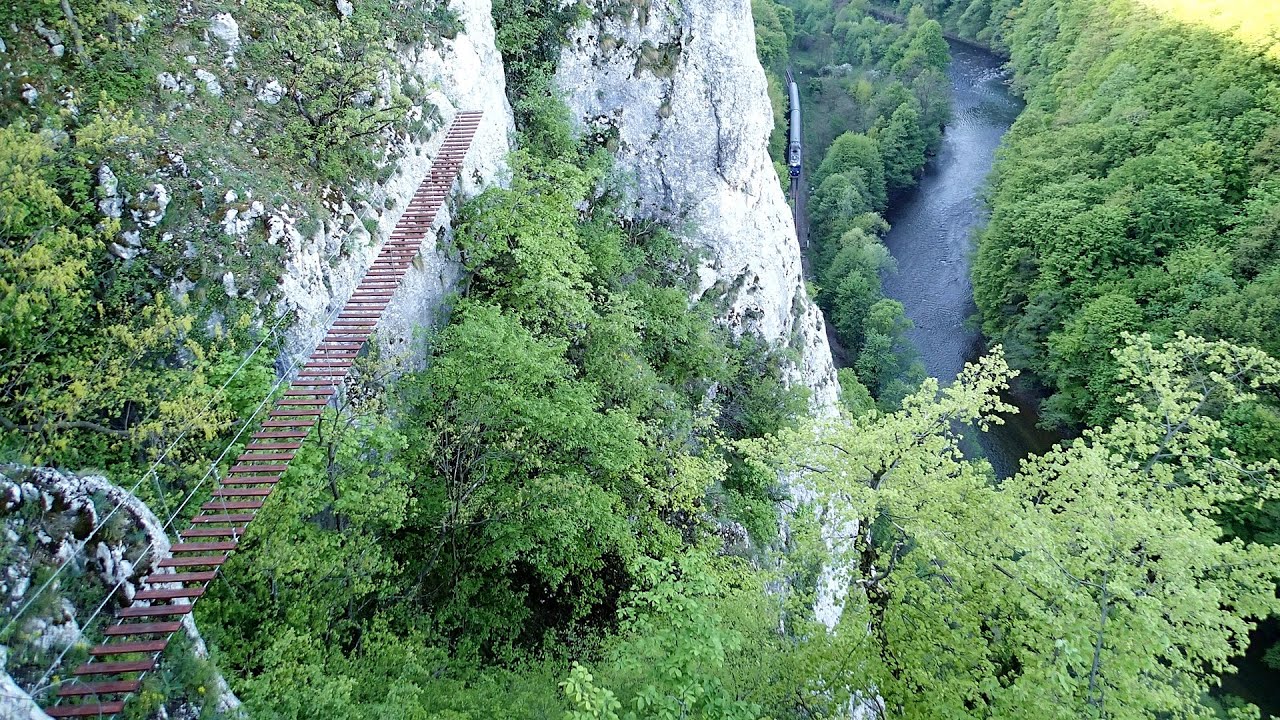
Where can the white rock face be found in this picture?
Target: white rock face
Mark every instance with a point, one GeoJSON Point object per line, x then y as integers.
{"type": "Point", "coordinates": [271, 93]}
{"type": "Point", "coordinates": [109, 200]}
{"type": "Point", "coordinates": [680, 85]}
{"type": "Point", "coordinates": [68, 500]}
{"type": "Point", "coordinates": [224, 27]}
{"type": "Point", "coordinates": [211, 83]}
{"type": "Point", "coordinates": [14, 702]}
{"type": "Point", "coordinates": [324, 267]}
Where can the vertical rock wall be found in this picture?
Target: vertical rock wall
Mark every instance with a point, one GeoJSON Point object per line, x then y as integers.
{"type": "Point", "coordinates": [464, 74]}
{"type": "Point", "coordinates": [677, 87]}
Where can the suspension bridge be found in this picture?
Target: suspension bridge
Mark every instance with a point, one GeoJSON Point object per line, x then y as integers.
{"type": "Point", "coordinates": [140, 633]}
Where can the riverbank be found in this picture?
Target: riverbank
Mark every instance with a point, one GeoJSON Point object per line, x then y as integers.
{"type": "Point", "coordinates": [893, 17]}
{"type": "Point", "coordinates": [932, 241]}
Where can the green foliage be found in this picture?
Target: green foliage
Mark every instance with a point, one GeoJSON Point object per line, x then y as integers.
{"type": "Point", "coordinates": [699, 640]}
{"type": "Point", "coordinates": [1052, 594]}
{"type": "Point", "coordinates": [329, 67]}
{"type": "Point", "coordinates": [87, 376]}
{"type": "Point", "coordinates": [878, 115]}
{"type": "Point", "coordinates": [902, 144]}
{"type": "Point", "coordinates": [571, 425]}
{"type": "Point", "coordinates": [529, 36]}
{"type": "Point", "coordinates": [775, 29]}
{"type": "Point", "coordinates": [1132, 195]}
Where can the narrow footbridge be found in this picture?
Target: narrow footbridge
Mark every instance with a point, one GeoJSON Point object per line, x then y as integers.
{"type": "Point", "coordinates": [141, 632]}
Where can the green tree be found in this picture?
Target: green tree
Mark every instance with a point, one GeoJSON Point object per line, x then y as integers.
{"type": "Point", "coordinates": [1095, 583]}
{"type": "Point", "coordinates": [858, 154]}
{"type": "Point", "coordinates": [927, 50]}
{"type": "Point", "coordinates": [902, 145]}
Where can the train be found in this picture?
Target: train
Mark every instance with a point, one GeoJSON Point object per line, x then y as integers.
{"type": "Point", "coordinates": [793, 147]}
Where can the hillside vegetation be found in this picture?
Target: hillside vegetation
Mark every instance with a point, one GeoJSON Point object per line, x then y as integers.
{"type": "Point", "coordinates": [1137, 192]}
{"type": "Point", "coordinates": [591, 501]}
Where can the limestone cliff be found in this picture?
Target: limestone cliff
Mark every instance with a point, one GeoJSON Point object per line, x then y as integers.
{"type": "Point", "coordinates": [324, 267]}
{"type": "Point", "coordinates": [677, 89]}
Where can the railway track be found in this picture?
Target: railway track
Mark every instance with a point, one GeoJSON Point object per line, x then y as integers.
{"type": "Point", "coordinates": [134, 643]}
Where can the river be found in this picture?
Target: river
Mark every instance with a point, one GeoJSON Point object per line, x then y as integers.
{"type": "Point", "coordinates": [932, 238]}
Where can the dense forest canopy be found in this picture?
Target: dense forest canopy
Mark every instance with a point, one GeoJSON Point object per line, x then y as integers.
{"type": "Point", "coordinates": [592, 500]}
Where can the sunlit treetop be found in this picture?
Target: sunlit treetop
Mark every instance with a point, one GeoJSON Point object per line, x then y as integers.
{"type": "Point", "coordinates": [1254, 22]}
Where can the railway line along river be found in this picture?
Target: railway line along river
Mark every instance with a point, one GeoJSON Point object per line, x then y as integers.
{"type": "Point", "coordinates": [932, 238]}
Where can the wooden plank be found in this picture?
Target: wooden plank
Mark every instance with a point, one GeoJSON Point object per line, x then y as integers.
{"type": "Point", "coordinates": [86, 710]}
{"type": "Point", "coordinates": [258, 468]}
{"type": "Point", "coordinates": [241, 492]}
{"type": "Point", "coordinates": [232, 505]}
{"type": "Point", "coordinates": [187, 562]}
{"type": "Point", "coordinates": [263, 480]}
{"type": "Point", "coordinates": [232, 518]}
{"type": "Point", "coordinates": [213, 532]}
{"type": "Point", "coordinates": [169, 594]}
{"type": "Point", "coordinates": [113, 687]}
{"type": "Point", "coordinates": [263, 457]}
{"type": "Point", "coordinates": [130, 647]}
{"type": "Point", "coordinates": [202, 547]}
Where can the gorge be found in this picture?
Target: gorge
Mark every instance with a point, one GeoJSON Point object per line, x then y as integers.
{"type": "Point", "coordinates": [595, 460]}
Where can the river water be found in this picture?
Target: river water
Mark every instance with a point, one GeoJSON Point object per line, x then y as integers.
{"type": "Point", "coordinates": [932, 239]}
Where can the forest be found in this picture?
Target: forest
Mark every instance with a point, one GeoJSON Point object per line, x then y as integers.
{"type": "Point", "coordinates": [592, 501]}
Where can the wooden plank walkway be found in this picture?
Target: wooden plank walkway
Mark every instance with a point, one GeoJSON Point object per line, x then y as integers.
{"type": "Point", "coordinates": [115, 668]}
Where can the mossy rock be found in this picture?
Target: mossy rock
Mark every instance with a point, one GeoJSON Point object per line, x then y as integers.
{"type": "Point", "coordinates": [661, 60]}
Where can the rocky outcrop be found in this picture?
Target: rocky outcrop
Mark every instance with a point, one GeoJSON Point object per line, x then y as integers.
{"type": "Point", "coordinates": [14, 702]}
{"type": "Point", "coordinates": [322, 268]}
{"type": "Point", "coordinates": [675, 87]}
{"type": "Point", "coordinates": [47, 518]}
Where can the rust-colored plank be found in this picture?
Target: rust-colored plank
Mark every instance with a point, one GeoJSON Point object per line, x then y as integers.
{"type": "Point", "coordinates": [253, 480]}
{"type": "Point", "coordinates": [187, 562]}
{"type": "Point", "coordinates": [242, 478]}
{"type": "Point", "coordinates": [130, 647]}
{"type": "Point", "coordinates": [273, 446]}
{"type": "Point", "coordinates": [289, 423]}
{"type": "Point", "coordinates": [213, 532]}
{"type": "Point", "coordinates": [296, 412]}
{"type": "Point", "coordinates": [258, 468]}
{"type": "Point", "coordinates": [202, 547]}
{"type": "Point", "coordinates": [264, 457]}
{"type": "Point", "coordinates": [86, 710]}
{"type": "Point", "coordinates": [284, 434]}
{"type": "Point", "coordinates": [241, 492]}
{"type": "Point", "coordinates": [113, 687]}
{"type": "Point", "coordinates": [237, 505]}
